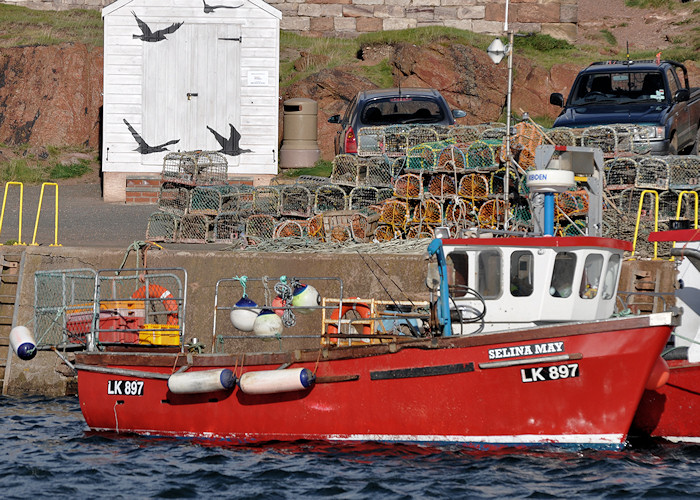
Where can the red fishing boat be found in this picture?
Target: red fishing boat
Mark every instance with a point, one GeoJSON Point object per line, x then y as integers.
{"type": "Point", "coordinates": [672, 411]}
{"type": "Point", "coordinates": [517, 346]}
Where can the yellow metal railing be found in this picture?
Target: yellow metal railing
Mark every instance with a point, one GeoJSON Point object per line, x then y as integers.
{"type": "Point", "coordinates": [38, 212]}
{"type": "Point", "coordinates": [694, 194]}
{"type": "Point", "coordinates": [2, 214]}
{"type": "Point", "coordinates": [639, 215]}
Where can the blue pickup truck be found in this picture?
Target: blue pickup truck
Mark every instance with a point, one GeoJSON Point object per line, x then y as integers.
{"type": "Point", "coordinates": [654, 95]}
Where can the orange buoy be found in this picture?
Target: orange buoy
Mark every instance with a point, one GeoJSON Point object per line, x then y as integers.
{"type": "Point", "coordinates": [658, 376]}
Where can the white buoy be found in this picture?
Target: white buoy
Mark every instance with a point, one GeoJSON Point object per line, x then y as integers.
{"type": "Point", "coordinates": [267, 324]}
{"type": "Point", "coordinates": [198, 382]}
{"type": "Point", "coordinates": [274, 381]}
{"type": "Point", "coordinates": [22, 342]}
{"type": "Point", "coordinates": [244, 315]}
{"type": "Point", "coordinates": [305, 296]}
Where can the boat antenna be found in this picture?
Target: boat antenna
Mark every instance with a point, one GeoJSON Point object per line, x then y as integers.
{"type": "Point", "coordinates": [628, 52]}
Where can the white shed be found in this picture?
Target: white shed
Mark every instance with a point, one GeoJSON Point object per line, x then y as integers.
{"type": "Point", "coordinates": [185, 75]}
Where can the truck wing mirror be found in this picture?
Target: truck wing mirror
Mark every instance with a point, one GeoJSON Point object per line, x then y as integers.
{"type": "Point", "coordinates": [556, 99]}
{"type": "Point", "coordinates": [458, 113]}
{"type": "Point", "coordinates": [681, 95]}
{"type": "Point", "coordinates": [334, 119]}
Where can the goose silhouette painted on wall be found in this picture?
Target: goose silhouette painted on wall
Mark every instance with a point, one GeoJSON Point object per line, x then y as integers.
{"type": "Point", "coordinates": [150, 36]}
{"type": "Point", "coordinates": [208, 9]}
{"type": "Point", "coordinates": [231, 145]}
{"type": "Point", "coordinates": [144, 148]}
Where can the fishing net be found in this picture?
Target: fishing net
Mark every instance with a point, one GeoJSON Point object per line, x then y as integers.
{"type": "Point", "coordinates": [492, 214]}
{"type": "Point", "coordinates": [442, 185]}
{"type": "Point", "coordinates": [227, 227]}
{"type": "Point", "coordinates": [329, 197]}
{"type": "Point", "coordinates": [420, 134]}
{"type": "Point", "coordinates": [205, 200]}
{"type": "Point", "coordinates": [162, 226]}
{"type": "Point", "coordinates": [684, 172]}
{"type": "Point", "coordinates": [345, 170]}
{"type": "Point", "coordinates": [260, 226]}
{"type": "Point", "coordinates": [289, 229]}
{"type": "Point", "coordinates": [652, 173]}
{"type": "Point", "coordinates": [620, 173]}
{"type": "Point", "coordinates": [395, 213]}
{"type": "Point", "coordinates": [452, 159]}
{"type": "Point", "coordinates": [370, 141]}
{"type": "Point", "coordinates": [173, 199]}
{"type": "Point", "coordinates": [296, 201]}
{"type": "Point", "coordinates": [362, 197]}
{"type": "Point", "coordinates": [377, 171]}
{"type": "Point", "coordinates": [194, 228]}
{"type": "Point", "coordinates": [396, 140]}
{"type": "Point", "coordinates": [408, 186]}
{"type": "Point", "coordinates": [266, 200]}
{"type": "Point", "coordinates": [561, 136]}
{"type": "Point", "coordinates": [480, 156]}
{"type": "Point", "coordinates": [474, 186]}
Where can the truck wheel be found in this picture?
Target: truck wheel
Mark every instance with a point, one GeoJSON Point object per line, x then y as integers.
{"type": "Point", "coordinates": [673, 147]}
{"type": "Point", "coordinates": [696, 146]}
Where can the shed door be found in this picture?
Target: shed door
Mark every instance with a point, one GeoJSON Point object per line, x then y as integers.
{"type": "Point", "coordinates": [191, 82]}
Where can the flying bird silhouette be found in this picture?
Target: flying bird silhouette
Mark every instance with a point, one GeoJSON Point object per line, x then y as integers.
{"type": "Point", "coordinates": [144, 148]}
{"type": "Point", "coordinates": [208, 9]}
{"type": "Point", "coordinates": [231, 145]}
{"type": "Point", "coordinates": [149, 36]}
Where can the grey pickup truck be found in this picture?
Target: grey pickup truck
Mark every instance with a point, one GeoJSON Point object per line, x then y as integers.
{"type": "Point", "coordinates": [655, 95]}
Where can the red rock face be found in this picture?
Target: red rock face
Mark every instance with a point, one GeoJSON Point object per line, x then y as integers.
{"type": "Point", "coordinates": [50, 95]}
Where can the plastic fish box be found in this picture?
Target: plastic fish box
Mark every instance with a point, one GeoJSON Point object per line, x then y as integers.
{"type": "Point", "coordinates": [158, 334]}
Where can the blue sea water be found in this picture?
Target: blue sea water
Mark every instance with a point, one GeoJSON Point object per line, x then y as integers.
{"type": "Point", "coordinates": [46, 450]}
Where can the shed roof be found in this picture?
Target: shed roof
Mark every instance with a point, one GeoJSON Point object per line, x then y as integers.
{"type": "Point", "coordinates": [115, 6]}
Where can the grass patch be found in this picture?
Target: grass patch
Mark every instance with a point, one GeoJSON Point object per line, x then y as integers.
{"type": "Point", "coordinates": [322, 168]}
{"type": "Point", "coordinates": [71, 171]}
{"type": "Point", "coordinates": [609, 37]}
{"type": "Point", "coordinates": [22, 26]}
{"type": "Point", "coordinates": [34, 166]}
{"type": "Point", "coordinates": [380, 74]}
{"type": "Point", "coordinates": [650, 4]}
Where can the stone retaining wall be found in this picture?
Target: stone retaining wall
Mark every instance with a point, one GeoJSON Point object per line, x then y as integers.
{"type": "Point", "coordinates": [348, 18]}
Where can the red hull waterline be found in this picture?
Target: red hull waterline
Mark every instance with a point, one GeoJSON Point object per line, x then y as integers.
{"type": "Point", "coordinates": [673, 411]}
{"type": "Point", "coordinates": [575, 384]}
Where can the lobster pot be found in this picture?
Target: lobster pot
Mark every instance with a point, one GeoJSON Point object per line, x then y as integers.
{"type": "Point", "coordinates": [266, 200]}
{"type": "Point", "coordinates": [521, 216]}
{"type": "Point", "coordinates": [337, 225]}
{"type": "Point", "coordinates": [652, 173]}
{"type": "Point", "coordinates": [395, 213]}
{"type": "Point", "coordinates": [260, 226]}
{"type": "Point", "coordinates": [409, 186]}
{"type": "Point", "coordinates": [345, 170]}
{"type": "Point", "coordinates": [202, 382]}
{"type": "Point", "coordinates": [640, 139]}
{"type": "Point", "coordinates": [205, 201]}
{"type": "Point", "coordinates": [571, 203]}
{"type": "Point", "coordinates": [428, 212]}
{"type": "Point", "coordinates": [452, 159]}
{"type": "Point", "coordinates": [377, 171]}
{"type": "Point", "coordinates": [480, 156]}
{"type": "Point", "coordinates": [386, 232]}
{"type": "Point", "coordinates": [398, 165]}
{"type": "Point", "coordinates": [620, 173]}
{"type": "Point", "coordinates": [527, 137]}
{"type": "Point", "coordinates": [315, 227]}
{"type": "Point", "coordinates": [668, 204]}
{"type": "Point", "coordinates": [396, 140]}
{"type": "Point", "coordinates": [370, 141]}
{"type": "Point", "coordinates": [498, 178]}
{"type": "Point", "coordinates": [420, 134]}
{"type": "Point", "coordinates": [276, 381]}
{"type": "Point", "coordinates": [602, 137]}
{"type": "Point", "coordinates": [422, 157]}
{"type": "Point", "coordinates": [289, 229]}
{"type": "Point", "coordinates": [575, 228]}
{"type": "Point", "coordinates": [442, 185]}
{"type": "Point", "coordinates": [492, 214]}
{"type": "Point", "coordinates": [419, 231]}
{"type": "Point", "coordinates": [179, 168]}
{"type": "Point", "coordinates": [463, 135]}
{"type": "Point", "coordinates": [227, 227]}
{"type": "Point", "coordinates": [194, 228]}
{"type": "Point", "coordinates": [162, 226]}
{"type": "Point", "coordinates": [684, 172]}
{"type": "Point", "coordinates": [296, 201]}
{"type": "Point", "coordinates": [173, 199]}
{"type": "Point", "coordinates": [474, 186]}
{"type": "Point", "coordinates": [625, 138]}
{"type": "Point", "coordinates": [363, 226]}
{"type": "Point", "coordinates": [442, 131]}
{"type": "Point", "coordinates": [212, 168]}
{"type": "Point", "coordinates": [329, 197]}
{"type": "Point", "coordinates": [561, 136]}
{"type": "Point", "coordinates": [362, 197]}
{"type": "Point", "coordinates": [494, 133]}
{"type": "Point", "coordinates": [384, 194]}
{"type": "Point", "coordinates": [459, 211]}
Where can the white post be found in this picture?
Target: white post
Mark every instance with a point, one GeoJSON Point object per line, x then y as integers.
{"type": "Point", "coordinates": [506, 180]}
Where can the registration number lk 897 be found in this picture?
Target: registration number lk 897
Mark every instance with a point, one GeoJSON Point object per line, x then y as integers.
{"type": "Point", "coordinates": [543, 373]}
{"type": "Point", "coordinates": [125, 387]}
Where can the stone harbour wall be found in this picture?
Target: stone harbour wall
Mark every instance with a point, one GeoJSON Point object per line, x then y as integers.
{"type": "Point", "coordinates": [349, 18]}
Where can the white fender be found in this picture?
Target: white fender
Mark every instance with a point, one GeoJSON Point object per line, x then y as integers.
{"type": "Point", "coordinates": [198, 382]}
{"type": "Point", "coordinates": [23, 343]}
{"type": "Point", "coordinates": [274, 381]}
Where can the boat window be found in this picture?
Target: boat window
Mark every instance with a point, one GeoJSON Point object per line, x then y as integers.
{"type": "Point", "coordinates": [611, 277]}
{"type": "Point", "coordinates": [563, 274]}
{"type": "Point", "coordinates": [457, 272]}
{"type": "Point", "coordinates": [521, 272]}
{"type": "Point", "coordinates": [592, 271]}
{"type": "Point", "coordinates": [489, 274]}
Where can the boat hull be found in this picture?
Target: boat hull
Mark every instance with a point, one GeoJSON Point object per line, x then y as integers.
{"type": "Point", "coordinates": [673, 411]}
{"type": "Point", "coordinates": [570, 385]}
